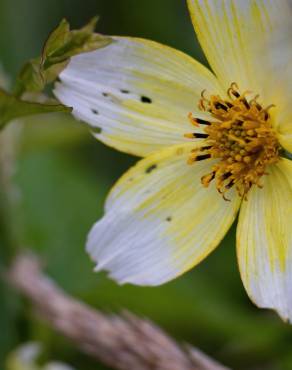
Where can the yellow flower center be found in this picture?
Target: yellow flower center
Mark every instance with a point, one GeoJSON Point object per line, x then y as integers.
{"type": "Point", "coordinates": [240, 135]}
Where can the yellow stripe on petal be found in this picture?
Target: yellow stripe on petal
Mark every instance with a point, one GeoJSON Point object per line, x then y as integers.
{"type": "Point", "coordinates": [264, 241]}
{"type": "Point", "coordinates": [160, 221]}
{"type": "Point", "coordinates": [137, 92]}
{"type": "Point", "coordinates": [248, 42]}
{"type": "Point", "coordinates": [286, 140]}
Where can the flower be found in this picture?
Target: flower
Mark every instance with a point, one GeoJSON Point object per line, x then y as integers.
{"type": "Point", "coordinates": [169, 211]}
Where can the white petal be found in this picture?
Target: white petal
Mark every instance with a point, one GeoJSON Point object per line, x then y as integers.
{"type": "Point", "coordinates": [160, 221]}
{"type": "Point", "coordinates": [264, 241]}
{"type": "Point", "coordinates": [138, 92]}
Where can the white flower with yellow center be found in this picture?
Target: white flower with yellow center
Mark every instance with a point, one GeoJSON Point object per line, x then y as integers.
{"type": "Point", "coordinates": [173, 208]}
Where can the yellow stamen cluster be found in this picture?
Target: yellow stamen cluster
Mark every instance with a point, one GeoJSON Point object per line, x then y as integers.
{"type": "Point", "coordinates": [240, 135]}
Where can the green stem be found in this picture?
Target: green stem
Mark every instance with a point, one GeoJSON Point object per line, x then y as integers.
{"type": "Point", "coordinates": [9, 229]}
{"type": "Point", "coordinates": [8, 234]}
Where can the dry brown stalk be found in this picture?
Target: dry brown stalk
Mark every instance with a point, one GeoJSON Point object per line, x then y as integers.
{"type": "Point", "coordinates": [123, 342]}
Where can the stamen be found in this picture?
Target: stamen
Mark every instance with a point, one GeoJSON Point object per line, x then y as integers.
{"type": "Point", "coordinates": [203, 157]}
{"type": "Point", "coordinates": [206, 179]}
{"type": "Point", "coordinates": [193, 120]}
{"type": "Point", "coordinates": [221, 106]}
{"type": "Point", "coordinates": [240, 137]}
{"type": "Point", "coordinates": [229, 185]}
{"type": "Point", "coordinates": [206, 147]}
{"type": "Point", "coordinates": [202, 122]}
{"type": "Point", "coordinates": [247, 106]}
{"type": "Point", "coordinates": [226, 175]}
{"type": "Point", "coordinates": [196, 135]}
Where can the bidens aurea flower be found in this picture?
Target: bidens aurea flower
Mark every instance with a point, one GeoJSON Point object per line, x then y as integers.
{"type": "Point", "coordinates": [173, 208]}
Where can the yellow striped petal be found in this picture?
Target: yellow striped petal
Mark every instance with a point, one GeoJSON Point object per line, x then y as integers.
{"type": "Point", "coordinates": [159, 220]}
{"type": "Point", "coordinates": [285, 137]}
{"type": "Point", "coordinates": [246, 41]}
{"type": "Point", "coordinates": [264, 241]}
{"type": "Point", "coordinates": [281, 85]}
{"type": "Point", "coordinates": [284, 127]}
{"type": "Point", "coordinates": [137, 92]}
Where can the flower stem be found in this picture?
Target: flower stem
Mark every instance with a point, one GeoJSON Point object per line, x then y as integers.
{"type": "Point", "coordinates": [9, 228]}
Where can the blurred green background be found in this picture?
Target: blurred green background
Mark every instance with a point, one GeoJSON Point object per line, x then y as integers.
{"type": "Point", "coordinates": [64, 175]}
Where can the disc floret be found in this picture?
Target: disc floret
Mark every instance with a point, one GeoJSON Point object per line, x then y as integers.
{"type": "Point", "coordinates": [240, 135]}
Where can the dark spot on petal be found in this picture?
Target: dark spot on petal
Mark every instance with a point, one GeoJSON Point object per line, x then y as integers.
{"type": "Point", "coordinates": [145, 99]}
{"type": "Point", "coordinates": [105, 94]}
{"type": "Point", "coordinates": [168, 219]}
{"type": "Point", "coordinates": [151, 168]}
{"type": "Point", "coordinates": [94, 111]}
{"type": "Point", "coordinates": [125, 91]}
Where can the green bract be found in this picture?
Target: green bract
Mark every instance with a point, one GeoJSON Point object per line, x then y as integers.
{"type": "Point", "coordinates": [12, 108]}
{"type": "Point", "coordinates": [59, 47]}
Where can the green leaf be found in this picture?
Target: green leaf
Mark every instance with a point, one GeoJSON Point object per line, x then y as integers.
{"type": "Point", "coordinates": [286, 154]}
{"type": "Point", "coordinates": [60, 46]}
{"type": "Point", "coordinates": [57, 38]}
{"type": "Point", "coordinates": [30, 78]}
{"type": "Point", "coordinates": [12, 108]}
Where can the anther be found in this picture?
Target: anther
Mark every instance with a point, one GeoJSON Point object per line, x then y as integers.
{"type": "Point", "coordinates": [225, 176]}
{"type": "Point", "coordinates": [202, 121]}
{"type": "Point", "coordinates": [202, 157]}
{"type": "Point", "coordinates": [196, 135]}
{"type": "Point", "coordinates": [247, 106]}
{"type": "Point", "coordinates": [229, 185]}
{"type": "Point", "coordinates": [233, 90]}
{"type": "Point", "coordinates": [220, 106]}
{"type": "Point", "coordinates": [193, 120]}
{"type": "Point", "coordinates": [206, 147]}
{"type": "Point", "coordinates": [205, 180]}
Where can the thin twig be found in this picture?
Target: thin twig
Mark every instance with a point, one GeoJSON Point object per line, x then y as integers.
{"type": "Point", "coordinates": [9, 192]}
{"type": "Point", "coordinates": [123, 342]}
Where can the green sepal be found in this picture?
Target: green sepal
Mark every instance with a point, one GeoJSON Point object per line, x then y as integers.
{"type": "Point", "coordinates": [60, 46]}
